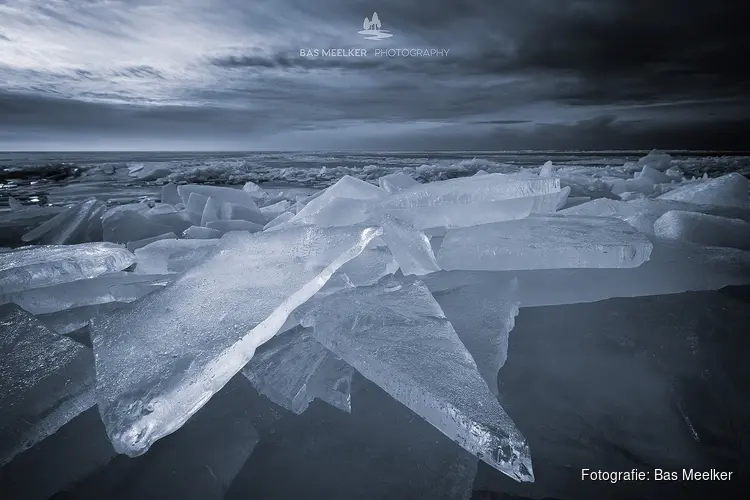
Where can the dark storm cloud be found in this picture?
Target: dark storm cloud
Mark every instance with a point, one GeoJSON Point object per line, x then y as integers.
{"type": "Point", "coordinates": [581, 73]}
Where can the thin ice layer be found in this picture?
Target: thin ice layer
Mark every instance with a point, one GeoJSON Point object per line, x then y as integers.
{"type": "Point", "coordinates": [469, 201]}
{"type": "Point", "coordinates": [399, 181]}
{"type": "Point", "coordinates": [643, 213]}
{"type": "Point", "coordinates": [332, 382]}
{"type": "Point", "coordinates": [210, 212]}
{"type": "Point", "coordinates": [703, 229]}
{"type": "Point", "coordinates": [225, 226]}
{"type": "Point", "coordinates": [673, 267]}
{"type": "Point", "coordinates": [129, 225]}
{"type": "Point", "coordinates": [38, 266]}
{"type": "Point", "coordinates": [218, 193]}
{"type": "Point", "coordinates": [344, 203]}
{"type": "Point", "coordinates": [544, 242]}
{"type": "Point", "coordinates": [728, 190]}
{"type": "Point", "coordinates": [111, 287]}
{"type": "Point", "coordinates": [483, 314]}
{"type": "Point", "coordinates": [469, 190]}
{"type": "Point", "coordinates": [409, 246]}
{"type": "Point", "coordinates": [77, 224]}
{"type": "Point", "coordinates": [135, 245]}
{"type": "Point", "coordinates": [173, 256]}
{"type": "Point", "coordinates": [209, 323]}
{"type": "Point", "coordinates": [285, 370]}
{"type": "Point", "coordinates": [201, 233]}
{"type": "Point", "coordinates": [396, 335]}
{"type": "Point", "coordinates": [70, 320]}
{"type": "Point", "coordinates": [232, 211]}
{"type": "Point", "coordinates": [45, 381]}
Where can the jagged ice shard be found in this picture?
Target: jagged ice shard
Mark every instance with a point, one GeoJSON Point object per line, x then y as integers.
{"type": "Point", "coordinates": [45, 381]}
{"type": "Point", "coordinates": [37, 266]}
{"type": "Point", "coordinates": [410, 247]}
{"type": "Point", "coordinates": [396, 335]}
{"type": "Point", "coordinates": [544, 242]}
{"type": "Point", "coordinates": [162, 360]}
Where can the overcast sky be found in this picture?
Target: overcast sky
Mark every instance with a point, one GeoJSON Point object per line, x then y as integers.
{"type": "Point", "coordinates": [228, 74]}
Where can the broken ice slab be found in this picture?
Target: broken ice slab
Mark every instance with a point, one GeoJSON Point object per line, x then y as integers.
{"type": "Point", "coordinates": [70, 320]}
{"type": "Point", "coordinates": [483, 314]}
{"type": "Point", "coordinates": [70, 226]}
{"type": "Point", "coordinates": [46, 381]}
{"type": "Point", "coordinates": [393, 183]}
{"type": "Point", "coordinates": [728, 190]}
{"type": "Point", "coordinates": [283, 368]}
{"type": "Point", "coordinates": [173, 256]}
{"type": "Point", "coordinates": [396, 335]}
{"type": "Point", "coordinates": [673, 267]}
{"type": "Point", "coordinates": [703, 229]}
{"type": "Point", "coordinates": [281, 219]}
{"type": "Point", "coordinates": [14, 224]}
{"type": "Point", "coordinates": [201, 233]}
{"type": "Point", "coordinates": [233, 211]}
{"type": "Point", "coordinates": [218, 193]}
{"type": "Point", "coordinates": [225, 226]}
{"type": "Point", "coordinates": [128, 225]}
{"type": "Point", "coordinates": [367, 268]}
{"type": "Point", "coordinates": [409, 246]}
{"type": "Point", "coordinates": [254, 190]}
{"type": "Point", "coordinates": [345, 203]}
{"type": "Point", "coordinates": [464, 215]}
{"type": "Point", "coordinates": [332, 382]}
{"type": "Point", "coordinates": [210, 321]}
{"type": "Point", "coordinates": [170, 195]}
{"type": "Point", "coordinates": [642, 213]}
{"type": "Point", "coordinates": [470, 201]}
{"type": "Point", "coordinates": [110, 287]}
{"type": "Point", "coordinates": [198, 462]}
{"type": "Point", "coordinates": [152, 172]}
{"type": "Point", "coordinates": [141, 208]}
{"type": "Point", "coordinates": [194, 207]}
{"type": "Point", "coordinates": [602, 207]}
{"type": "Point", "coordinates": [544, 242]}
{"type": "Point", "coordinates": [470, 190]}
{"type": "Point", "coordinates": [38, 266]}
{"type": "Point", "coordinates": [210, 212]}
{"type": "Point", "coordinates": [276, 209]}
{"type": "Point", "coordinates": [135, 245]}
{"type": "Point", "coordinates": [656, 160]}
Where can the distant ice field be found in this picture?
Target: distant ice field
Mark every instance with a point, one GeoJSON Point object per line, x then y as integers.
{"type": "Point", "coordinates": [121, 177]}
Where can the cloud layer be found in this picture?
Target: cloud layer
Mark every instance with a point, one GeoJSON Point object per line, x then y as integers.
{"type": "Point", "coordinates": [228, 74]}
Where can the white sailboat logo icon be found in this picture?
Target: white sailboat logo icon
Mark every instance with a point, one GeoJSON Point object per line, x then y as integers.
{"type": "Point", "coordinates": [372, 29]}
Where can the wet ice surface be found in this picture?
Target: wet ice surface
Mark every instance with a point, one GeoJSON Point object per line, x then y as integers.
{"type": "Point", "coordinates": [325, 431]}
